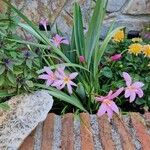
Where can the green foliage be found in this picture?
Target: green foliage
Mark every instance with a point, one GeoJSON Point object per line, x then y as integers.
{"type": "Point", "coordinates": [98, 74]}
{"type": "Point", "coordinates": [18, 62]}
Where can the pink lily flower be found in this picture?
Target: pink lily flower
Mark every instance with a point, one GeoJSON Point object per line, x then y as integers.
{"type": "Point", "coordinates": [116, 57]}
{"type": "Point", "coordinates": [132, 89]}
{"type": "Point", "coordinates": [65, 80]}
{"type": "Point", "coordinates": [57, 40]}
{"type": "Point", "coordinates": [49, 76]}
{"type": "Point", "coordinates": [44, 22]}
{"type": "Point", "coordinates": [81, 59]}
{"type": "Point", "coordinates": [108, 105]}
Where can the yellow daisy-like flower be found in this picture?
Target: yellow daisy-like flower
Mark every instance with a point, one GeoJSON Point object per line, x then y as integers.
{"type": "Point", "coordinates": [137, 40]}
{"type": "Point", "coordinates": [146, 50]}
{"type": "Point", "coordinates": [135, 48]}
{"type": "Point", "coordinates": [119, 36]}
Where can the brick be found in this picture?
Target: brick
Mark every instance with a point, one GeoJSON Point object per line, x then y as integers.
{"type": "Point", "coordinates": [67, 132]}
{"type": "Point", "coordinates": [126, 139]}
{"type": "Point", "coordinates": [28, 144]}
{"type": "Point", "coordinates": [141, 130]}
{"type": "Point", "coordinates": [47, 136]}
{"type": "Point", "coordinates": [105, 133]}
{"type": "Point", "coordinates": [86, 134]}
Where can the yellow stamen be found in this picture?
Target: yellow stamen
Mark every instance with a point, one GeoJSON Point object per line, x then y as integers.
{"type": "Point", "coordinates": [107, 101]}
{"type": "Point", "coordinates": [66, 79]}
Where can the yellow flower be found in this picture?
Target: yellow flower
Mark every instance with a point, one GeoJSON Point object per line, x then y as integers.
{"type": "Point", "coordinates": [135, 48]}
{"type": "Point", "coordinates": [137, 40]}
{"type": "Point", "coordinates": [146, 50]}
{"type": "Point", "coordinates": [119, 36]}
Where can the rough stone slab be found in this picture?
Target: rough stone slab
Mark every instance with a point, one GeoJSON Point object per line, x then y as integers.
{"type": "Point", "coordinates": [137, 7]}
{"type": "Point", "coordinates": [37, 9]}
{"type": "Point", "coordinates": [115, 5]}
{"type": "Point", "coordinates": [26, 112]}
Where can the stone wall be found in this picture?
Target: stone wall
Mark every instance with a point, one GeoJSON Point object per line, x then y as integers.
{"type": "Point", "coordinates": [134, 14]}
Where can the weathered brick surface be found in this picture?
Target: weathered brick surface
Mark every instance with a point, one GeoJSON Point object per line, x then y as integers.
{"type": "Point", "coordinates": [86, 134]}
{"type": "Point", "coordinates": [141, 130]}
{"type": "Point", "coordinates": [124, 134]}
{"type": "Point", "coordinates": [29, 142]}
{"type": "Point", "coordinates": [67, 132]}
{"type": "Point", "coordinates": [105, 133]}
{"type": "Point", "coordinates": [47, 136]}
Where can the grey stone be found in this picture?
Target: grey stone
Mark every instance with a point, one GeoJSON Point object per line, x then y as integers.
{"type": "Point", "coordinates": [137, 7]}
{"type": "Point", "coordinates": [57, 133]}
{"type": "Point", "coordinates": [38, 136]}
{"type": "Point", "coordinates": [116, 137]}
{"type": "Point", "coordinates": [131, 130]}
{"type": "Point", "coordinates": [77, 138]}
{"type": "Point", "coordinates": [26, 112]}
{"type": "Point", "coordinates": [115, 5]}
{"type": "Point", "coordinates": [128, 23]}
{"type": "Point", "coordinates": [95, 132]}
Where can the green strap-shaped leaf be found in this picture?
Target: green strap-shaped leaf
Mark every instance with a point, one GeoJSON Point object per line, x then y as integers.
{"type": "Point", "coordinates": [94, 30]}
{"type": "Point", "coordinates": [78, 30]}
{"type": "Point", "coordinates": [62, 96]}
{"type": "Point", "coordinates": [100, 51]}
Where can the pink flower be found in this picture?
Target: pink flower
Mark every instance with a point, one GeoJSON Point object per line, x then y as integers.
{"type": "Point", "coordinates": [116, 57]}
{"type": "Point", "coordinates": [57, 40]}
{"type": "Point", "coordinates": [50, 76]}
{"type": "Point", "coordinates": [81, 59]}
{"type": "Point", "coordinates": [107, 103]}
{"type": "Point", "coordinates": [44, 22]}
{"type": "Point", "coordinates": [132, 88]}
{"type": "Point", "coordinates": [65, 80]}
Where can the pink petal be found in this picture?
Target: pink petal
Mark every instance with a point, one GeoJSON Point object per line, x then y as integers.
{"type": "Point", "coordinates": [65, 41]}
{"type": "Point", "coordinates": [138, 84]}
{"type": "Point", "coordinates": [140, 92]}
{"type": "Point", "coordinates": [62, 86]}
{"type": "Point", "coordinates": [48, 70]}
{"type": "Point", "coordinates": [132, 96]}
{"type": "Point", "coordinates": [58, 75]}
{"type": "Point", "coordinates": [102, 110]}
{"type": "Point", "coordinates": [116, 57]}
{"type": "Point", "coordinates": [58, 37]}
{"type": "Point", "coordinates": [72, 83]}
{"type": "Point", "coordinates": [73, 75]}
{"type": "Point", "coordinates": [116, 93]}
{"type": "Point", "coordinates": [60, 72]}
{"type": "Point", "coordinates": [44, 76]}
{"type": "Point", "coordinates": [109, 113]}
{"type": "Point", "coordinates": [101, 98]}
{"type": "Point", "coordinates": [57, 83]}
{"type": "Point", "coordinates": [109, 94]}
{"type": "Point", "coordinates": [114, 107]}
{"type": "Point", "coordinates": [127, 78]}
{"type": "Point", "coordinates": [49, 82]}
{"type": "Point", "coordinates": [69, 88]}
{"type": "Point", "coordinates": [127, 93]}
